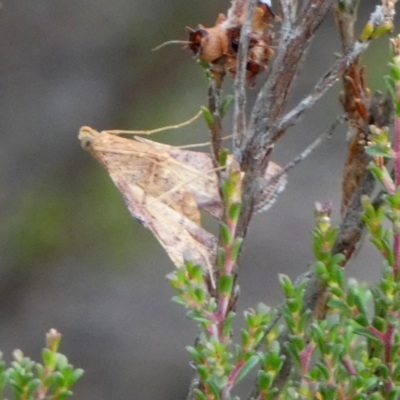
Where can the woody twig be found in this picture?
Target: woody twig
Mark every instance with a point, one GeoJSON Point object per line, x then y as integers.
{"type": "Point", "coordinates": [239, 113]}
{"type": "Point", "coordinates": [272, 99]}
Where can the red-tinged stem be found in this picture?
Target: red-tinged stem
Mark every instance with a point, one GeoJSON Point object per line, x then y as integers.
{"type": "Point", "coordinates": [223, 301]}
{"type": "Point", "coordinates": [396, 239]}
{"type": "Point", "coordinates": [231, 380]}
{"type": "Point", "coordinates": [378, 334]}
{"type": "Point", "coordinates": [389, 184]}
{"type": "Point", "coordinates": [305, 358]}
{"type": "Point", "coordinates": [212, 330]}
{"type": "Point", "coordinates": [229, 263]}
{"type": "Point", "coordinates": [396, 245]}
{"type": "Point", "coordinates": [349, 366]}
{"type": "Point", "coordinates": [388, 340]}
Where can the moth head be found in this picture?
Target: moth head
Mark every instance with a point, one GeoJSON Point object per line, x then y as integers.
{"type": "Point", "coordinates": [86, 136]}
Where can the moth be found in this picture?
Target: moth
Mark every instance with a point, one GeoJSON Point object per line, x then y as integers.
{"type": "Point", "coordinates": [165, 187]}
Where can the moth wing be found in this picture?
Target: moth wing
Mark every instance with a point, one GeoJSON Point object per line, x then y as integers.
{"type": "Point", "coordinates": [198, 174]}
{"type": "Point", "coordinates": [147, 166]}
{"type": "Point", "coordinates": [178, 235]}
{"type": "Point", "coordinates": [269, 187]}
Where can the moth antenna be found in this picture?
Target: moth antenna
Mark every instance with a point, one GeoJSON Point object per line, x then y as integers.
{"type": "Point", "coordinates": [171, 42]}
{"type": "Point", "coordinates": [164, 128]}
{"type": "Point", "coordinates": [191, 146]}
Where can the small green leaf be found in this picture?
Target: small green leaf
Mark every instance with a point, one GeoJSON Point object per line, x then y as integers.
{"type": "Point", "coordinates": [390, 84]}
{"type": "Point", "coordinates": [49, 358]}
{"type": "Point", "coordinates": [221, 258]}
{"type": "Point", "coordinates": [223, 157]}
{"type": "Point", "coordinates": [366, 333]}
{"type": "Point", "coordinates": [226, 103]}
{"type": "Point", "coordinates": [236, 248]}
{"type": "Point", "coordinates": [366, 32]}
{"type": "Point", "coordinates": [264, 381]}
{"type": "Point", "coordinates": [286, 285]}
{"type": "Point", "coordinates": [382, 29]}
{"type": "Point", "coordinates": [234, 211]}
{"type": "Point", "coordinates": [195, 354]}
{"type": "Point", "coordinates": [207, 116]}
{"type": "Point", "coordinates": [247, 367]}
{"type": "Point", "coordinates": [63, 395]}
{"type": "Point", "coordinates": [225, 284]}
{"type": "Point", "coordinates": [376, 150]}
{"type": "Point", "coordinates": [338, 304]}
{"type": "Point", "coordinates": [62, 361]}
{"type": "Point", "coordinates": [203, 372]}
{"type": "Point", "coordinates": [199, 395]}
{"type": "Point", "coordinates": [225, 234]}
{"type": "Point", "coordinates": [76, 375]}
{"type": "Point", "coordinates": [245, 338]}
{"type": "Point", "coordinates": [394, 71]}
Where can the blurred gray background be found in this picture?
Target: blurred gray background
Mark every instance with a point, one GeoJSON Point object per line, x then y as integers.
{"type": "Point", "coordinates": [71, 256]}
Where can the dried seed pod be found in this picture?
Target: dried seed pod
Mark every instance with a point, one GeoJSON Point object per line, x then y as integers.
{"type": "Point", "coordinates": [219, 45]}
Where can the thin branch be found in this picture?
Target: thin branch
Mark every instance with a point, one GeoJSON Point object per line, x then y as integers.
{"type": "Point", "coordinates": [214, 102]}
{"type": "Point", "coordinates": [322, 86]}
{"type": "Point", "coordinates": [239, 113]}
{"type": "Point", "coordinates": [294, 43]}
{"type": "Point", "coordinates": [310, 148]}
{"type": "Point", "coordinates": [272, 100]}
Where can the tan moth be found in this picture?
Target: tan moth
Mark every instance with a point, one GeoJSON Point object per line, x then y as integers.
{"type": "Point", "coordinates": [165, 187]}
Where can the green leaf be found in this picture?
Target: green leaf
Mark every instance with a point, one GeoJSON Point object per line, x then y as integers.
{"type": "Point", "coordinates": [264, 381]}
{"type": "Point", "coordinates": [225, 234]}
{"type": "Point", "coordinates": [195, 354]}
{"type": "Point", "coordinates": [366, 333]}
{"type": "Point", "coordinates": [215, 385]}
{"type": "Point", "coordinates": [207, 116]}
{"type": "Point", "coordinates": [63, 395]}
{"type": "Point", "coordinates": [366, 32]}
{"type": "Point", "coordinates": [200, 395]}
{"type": "Point", "coordinates": [195, 316]}
{"type": "Point", "coordinates": [234, 211]}
{"type": "Point", "coordinates": [33, 385]}
{"type": "Point", "coordinates": [294, 354]}
{"type": "Point", "coordinates": [227, 328]}
{"type": "Point", "coordinates": [49, 358]}
{"type": "Point", "coordinates": [390, 84]}
{"type": "Point", "coordinates": [338, 304]}
{"type": "Point", "coordinates": [221, 258]}
{"type": "Point", "coordinates": [236, 248]}
{"type": "Point", "coordinates": [382, 29]}
{"type": "Point", "coordinates": [199, 295]}
{"type": "Point", "coordinates": [286, 285]}
{"type": "Point", "coordinates": [76, 375]}
{"type": "Point", "coordinates": [376, 150]}
{"type": "Point", "coordinates": [226, 103]}
{"type": "Point", "coordinates": [203, 372]}
{"type": "Point", "coordinates": [247, 367]}
{"type": "Point", "coordinates": [245, 338]}
{"type": "Point", "coordinates": [223, 157]}
{"type": "Point", "coordinates": [225, 284]}
{"type": "Point", "coordinates": [394, 71]}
